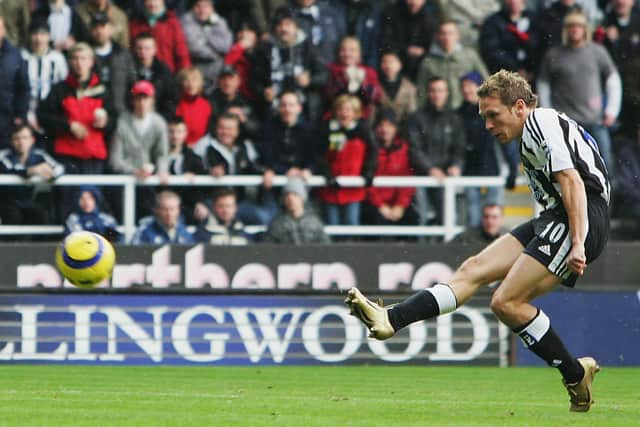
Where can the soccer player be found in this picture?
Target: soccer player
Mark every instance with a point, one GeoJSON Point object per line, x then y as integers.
{"type": "Point", "coordinates": [568, 178]}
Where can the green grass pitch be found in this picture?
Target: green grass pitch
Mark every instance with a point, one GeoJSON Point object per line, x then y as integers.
{"type": "Point", "coordinates": [307, 396]}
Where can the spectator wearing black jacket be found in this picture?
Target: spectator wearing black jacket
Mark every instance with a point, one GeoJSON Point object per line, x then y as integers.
{"type": "Point", "coordinates": [14, 87]}
{"type": "Point", "coordinates": [184, 162]}
{"type": "Point", "coordinates": [322, 24]}
{"type": "Point", "coordinates": [114, 64]}
{"type": "Point", "coordinates": [288, 141]}
{"type": "Point", "coordinates": [481, 158]}
{"type": "Point", "coordinates": [226, 153]}
{"type": "Point", "coordinates": [288, 62]}
{"type": "Point", "coordinates": [20, 204]}
{"type": "Point", "coordinates": [437, 145]}
{"type": "Point", "coordinates": [226, 98]}
{"type": "Point", "coordinates": [149, 68]}
{"type": "Point", "coordinates": [409, 27]}
{"type": "Point", "coordinates": [509, 40]}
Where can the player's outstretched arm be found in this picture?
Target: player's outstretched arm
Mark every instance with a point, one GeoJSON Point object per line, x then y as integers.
{"type": "Point", "coordinates": [574, 199]}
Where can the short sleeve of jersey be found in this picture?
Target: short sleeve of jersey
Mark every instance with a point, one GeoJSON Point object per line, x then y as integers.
{"type": "Point", "coordinates": [558, 151]}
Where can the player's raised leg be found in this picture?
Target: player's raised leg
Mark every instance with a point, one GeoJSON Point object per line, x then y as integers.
{"type": "Point", "coordinates": [526, 280]}
{"type": "Point", "coordinates": [491, 264]}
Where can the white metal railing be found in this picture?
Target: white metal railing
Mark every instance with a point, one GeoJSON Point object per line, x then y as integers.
{"type": "Point", "coordinates": [450, 185]}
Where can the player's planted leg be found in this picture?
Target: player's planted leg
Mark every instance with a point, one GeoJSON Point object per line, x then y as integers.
{"type": "Point", "coordinates": [527, 280]}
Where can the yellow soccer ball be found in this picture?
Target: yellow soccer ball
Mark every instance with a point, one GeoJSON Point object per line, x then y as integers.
{"type": "Point", "coordinates": [85, 259]}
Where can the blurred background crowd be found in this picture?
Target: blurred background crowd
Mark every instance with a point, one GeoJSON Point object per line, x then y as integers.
{"type": "Point", "coordinates": [297, 88]}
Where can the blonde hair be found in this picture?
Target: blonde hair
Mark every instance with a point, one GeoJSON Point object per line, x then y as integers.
{"type": "Point", "coordinates": [354, 101]}
{"type": "Point", "coordinates": [509, 87]}
{"type": "Point", "coordinates": [189, 72]}
{"type": "Point", "coordinates": [575, 18]}
{"type": "Point", "coordinates": [81, 47]}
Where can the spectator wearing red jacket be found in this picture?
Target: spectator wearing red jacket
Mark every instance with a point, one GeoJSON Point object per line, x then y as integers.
{"type": "Point", "coordinates": [193, 107]}
{"type": "Point", "coordinates": [165, 27]}
{"type": "Point", "coordinates": [349, 75]}
{"type": "Point", "coordinates": [78, 115]}
{"type": "Point", "coordinates": [390, 205]}
{"type": "Point", "coordinates": [348, 149]}
{"type": "Point", "coordinates": [238, 57]}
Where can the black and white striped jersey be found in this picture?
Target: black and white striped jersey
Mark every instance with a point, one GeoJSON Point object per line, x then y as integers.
{"type": "Point", "coordinates": [552, 142]}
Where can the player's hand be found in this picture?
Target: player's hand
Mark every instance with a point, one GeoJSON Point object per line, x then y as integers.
{"type": "Point", "coordinates": [577, 260]}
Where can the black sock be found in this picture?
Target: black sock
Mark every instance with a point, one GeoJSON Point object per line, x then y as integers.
{"type": "Point", "coordinates": [540, 338]}
{"type": "Point", "coordinates": [419, 306]}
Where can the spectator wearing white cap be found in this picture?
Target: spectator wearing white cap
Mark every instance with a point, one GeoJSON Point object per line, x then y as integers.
{"type": "Point", "coordinates": [297, 224]}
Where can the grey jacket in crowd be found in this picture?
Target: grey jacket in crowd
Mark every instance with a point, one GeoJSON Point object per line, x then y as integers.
{"type": "Point", "coordinates": [131, 151]}
{"type": "Point", "coordinates": [306, 229]}
{"type": "Point", "coordinates": [208, 43]}
{"type": "Point", "coordinates": [436, 139]}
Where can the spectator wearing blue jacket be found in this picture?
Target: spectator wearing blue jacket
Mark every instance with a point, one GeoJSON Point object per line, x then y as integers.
{"type": "Point", "coordinates": [88, 215]}
{"type": "Point", "coordinates": [166, 225]}
{"type": "Point", "coordinates": [481, 155]}
{"type": "Point", "coordinates": [14, 87]}
{"type": "Point", "coordinates": [20, 204]}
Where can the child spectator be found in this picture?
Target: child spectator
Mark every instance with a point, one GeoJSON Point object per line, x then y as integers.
{"type": "Point", "coordinates": [348, 149]}
{"type": "Point", "coordinates": [89, 217]}
{"type": "Point", "coordinates": [390, 205]}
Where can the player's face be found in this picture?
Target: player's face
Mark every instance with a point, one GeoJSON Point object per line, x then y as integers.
{"type": "Point", "coordinates": [503, 122]}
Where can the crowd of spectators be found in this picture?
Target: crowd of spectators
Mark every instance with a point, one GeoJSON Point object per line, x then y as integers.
{"type": "Point", "coordinates": [295, 87]}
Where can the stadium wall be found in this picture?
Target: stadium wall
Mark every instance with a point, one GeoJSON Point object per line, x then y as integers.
{"type": "Point", "coordinates": [263, 305]}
